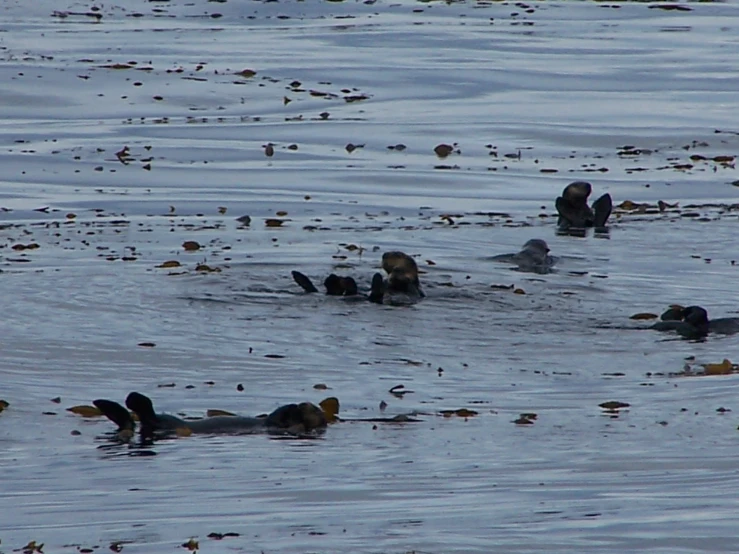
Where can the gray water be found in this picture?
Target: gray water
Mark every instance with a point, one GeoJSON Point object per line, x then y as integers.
{"type": "Point", "coordinates": [561, 88]}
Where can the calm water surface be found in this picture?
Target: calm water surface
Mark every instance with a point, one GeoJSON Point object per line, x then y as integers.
{"type": "Point", "coordinates": [129, 129]}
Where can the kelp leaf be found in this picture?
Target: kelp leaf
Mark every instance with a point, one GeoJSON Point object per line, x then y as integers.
{"type": "Point", "coordinates": [330, 407]}
{"type": "Point", "coordinates": [85, 411]}
{"type": "Point", "coordinates": [644, 315]}
{"type": "Point", "coordinates": [724, 368]}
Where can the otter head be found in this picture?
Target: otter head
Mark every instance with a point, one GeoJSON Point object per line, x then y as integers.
{"type": "Point", "coordinates": [577, 193]}
{"type": "Point", "coordinates": [534, 256]}
{"type": "Point", "coordinates": [402, 272]}
{"type": "Point", "coordinates": [538, 246]}
{"type": "Point", "coordinates": [695, 315]}
{"type": "Point", "coordinates": [117, 414]}
{"type": "Point", "coordinates": [312, 417]}
{"type": "Point", "coordinates": [297, 418]}
{"type": "Point", "coordinates": [696, 319]}
{"type": "Point", "coordinates": [675, 312]}
{"type": "Point", "coordinates": [397, 259]}
{"type": "Point", "coordinates": [572, 206]}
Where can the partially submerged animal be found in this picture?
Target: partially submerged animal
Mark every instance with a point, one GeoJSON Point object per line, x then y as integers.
{"type": "Point", "coordinates": [401, 286]}
{"type": "Point", "coordinates": [573, 209]}
{"type": "Point", "coordinates": [693, 323]}
{"type": "Point", "coordinates": [533, 258]}
{"type": "Point", "coordinates": [294, 419]}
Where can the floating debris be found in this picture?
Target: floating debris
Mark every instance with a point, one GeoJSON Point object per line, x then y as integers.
{"type": "Point", "coordinates": [527, 418]}
{"type": "Point", "coordinates": [614, 405]}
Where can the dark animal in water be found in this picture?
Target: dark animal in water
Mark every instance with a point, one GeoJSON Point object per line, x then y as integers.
{"type": "Point", "coordinates": [288, 419]}
{"type": "Point", "coordinates": [401, 286]}
{"type": "Point", "coordinates": [693, 323]}
{"type": "Point", "coordinates": [533, 258]}
{"type": "Point", "coordinates": [573, 209]}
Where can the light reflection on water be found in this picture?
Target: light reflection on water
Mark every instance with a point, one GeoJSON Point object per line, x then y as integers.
{"type": "Point", "coordinates": [565, 92]}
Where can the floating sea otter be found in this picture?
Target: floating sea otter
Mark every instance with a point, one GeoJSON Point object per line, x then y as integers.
{"type": "Point", "coordinates": [400, 287]}
{"type": "Point", "coordinates": [533, 258]}
{"type": "Point", "coordinates": [573, 209]}
{"type": "Point", "coordinates": [693, 323]}
{"type": "Point", "coordinates": [294, 419]}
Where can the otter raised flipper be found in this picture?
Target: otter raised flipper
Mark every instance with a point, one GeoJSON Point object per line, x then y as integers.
{"type": "Point", "coordinates": [152, 422]}
{"type": "Point", "coordinates": [602, 209]}
{"type": "Point", "coordinates": [377, 292]}
{"type": "Point", "coordinates": [335, 285]}
{"type": "Point", "coordinates": [305, 283]}
{"type": "Point", "coordinates": [116, 413]}
{"type": "Point", "coordinates": [340, 286]}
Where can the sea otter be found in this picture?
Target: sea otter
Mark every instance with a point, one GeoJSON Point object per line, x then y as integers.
{"type": "Point", "coordinates": [401, 286]}
{"type": "Point", "coordinates": [289, 419]}
{"type": "Point", "coordinates": [693, 323]}
{"type": "Point", "coordinates": [533, 258]}
{"type": "Point", "coordinates": [573, 209]}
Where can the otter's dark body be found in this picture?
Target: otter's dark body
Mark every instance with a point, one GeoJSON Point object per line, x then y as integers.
{"type": "Point", "coordinates": [533, 257]}
{"type": "Point", "coordinates": [291, 418]}
{"type": "Point", "coordinates": [693, 323]}
{"type": "Point", "coordinates": [573, 209]}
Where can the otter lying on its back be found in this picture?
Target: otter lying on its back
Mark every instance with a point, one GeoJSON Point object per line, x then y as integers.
{"type": "Point", "coordinates": [291, 418]}
{"type": "Point", "coordinates": [534, 257]}
{"type": "Point", "coordinates": [574, 211]}
{"type": "Point", "coordinates": [400, 287]}
{"type": "Point", "coordinates": [693, 323]}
